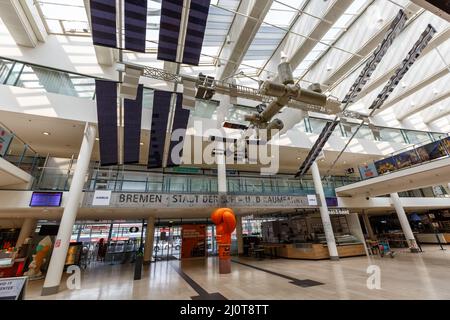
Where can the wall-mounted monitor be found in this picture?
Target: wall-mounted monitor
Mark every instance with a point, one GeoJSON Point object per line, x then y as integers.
{"type": "Point", "coordinates": [46, 199]}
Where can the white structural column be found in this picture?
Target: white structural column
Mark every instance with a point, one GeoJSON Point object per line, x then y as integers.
{"type": "Point", "coordinates": [368, 226]}
{"type": "Point", "coordinates": [221, 171]}
{"type": "Point", "coordinates": [56, 266]}
{"type": "Point", "coordinates": [149, 235]}
{"type": "Point", "coordinates": [240, 240]}
{"type": "Point", "coordinates": [355, 229]}
{"type": "Point", "coordinates": [27, 229]}
{"type": "Point", "coordinates": [406, 227]}
{"type": "Point", "coordinates": [324, 214]}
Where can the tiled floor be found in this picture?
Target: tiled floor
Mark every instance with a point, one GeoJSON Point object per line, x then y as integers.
{"type": "Point", "coordinates": [407, 276]}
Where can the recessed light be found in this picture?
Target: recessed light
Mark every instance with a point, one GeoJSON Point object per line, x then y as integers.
{"type": "Point", "coordinates": [141, 143]}
{"type": "Point", "coordinates": [97, 139]}
{"type": "Point", "coordinates": [45, 133]}
{"type": "Point", "coordinates": [299, 158]}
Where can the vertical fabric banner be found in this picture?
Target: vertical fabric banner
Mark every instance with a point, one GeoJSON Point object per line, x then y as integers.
{"type": "Point", "coordinates": [103, 21]}
{"type": "Point", "coordinates": [106, 94]}
{"type": "Point", "coordinates": [132, 129]}
{"type": "Point", "coordinates": [169, 29]}
{"type": "Point", "coordinates": [180, 122]}
{"type": "Point", "coordinates": [135, 24]}
{"type": "Point", "coordinates": [160, 114]}
{"type": "Point", "coordinates": [198, 16]}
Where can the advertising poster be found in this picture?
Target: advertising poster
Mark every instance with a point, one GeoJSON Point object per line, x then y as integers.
{"type": "Point", "coordinates": [431, 151]}
{"type": "Point", "coordinates": [5, 140]}
{"type": "Point", "coordinates": [446, 143]}
{"type": "Point", "coordinates": [385, 165]}
{"type": "Point", "coordinates": [193, 244]}
{"type": "Point", "coordinates": [368, 171]}
{"type": "Point", "coordinates": [406, 159]}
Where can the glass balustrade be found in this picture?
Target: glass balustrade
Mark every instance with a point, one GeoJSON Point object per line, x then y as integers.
{"type": "Point", "coordinates": [16, 151]}
{"type": "Point", "coordinates": [123, 181]}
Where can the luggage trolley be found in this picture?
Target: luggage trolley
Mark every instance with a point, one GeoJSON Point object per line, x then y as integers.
{"type": "Point", "coordinates": [385, 249]}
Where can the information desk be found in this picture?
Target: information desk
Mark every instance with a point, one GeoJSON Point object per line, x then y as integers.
{"type": "Point", "coordinates": [317, 251]}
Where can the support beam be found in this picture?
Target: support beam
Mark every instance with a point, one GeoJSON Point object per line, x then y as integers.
{"type": "Point", "coordinates": [61, 245]}
{"type": "Point", "coordinates": [424, 106]}
{"type": "Point", "coordinates": [406, 227]}
{"type": "Point", "coordinates": [27, 230]}
{"type": "Point", "coordinates": [445, 112]}
{"type": "Point", "coordinates": [37, 23]}
{"type": "Point", "coordinates": [331, 16]}
{"type": "Point", "coordinates": [324, 214]}
{"type": "Point", "coordinates": [368, 226]}
{"type": "Point", "coordinates": [425, 82]}
{"type": "Point", "coordinates": [242, 33]}
{"type": "Point", "coordinates": [240, 240]}
{"type": "Point", "coordinates": [16, 21]}
{"type": "Point", "coordinates": [149, 238]}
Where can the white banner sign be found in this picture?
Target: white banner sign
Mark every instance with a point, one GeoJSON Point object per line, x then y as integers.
{"type": "Point", "coordinates": [338, 211]}
{"type": "Point", "coordinates": [312, 199]}
{"type": "Point", "coordinates": [102, 198]}
{"type": "Point", "coordinates": [161, 200]}
{"type": "Point", "coordinates": [10, 288]}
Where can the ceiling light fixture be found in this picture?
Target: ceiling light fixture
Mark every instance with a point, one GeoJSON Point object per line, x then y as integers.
{"type": "Point", "coordinates": [45, 133]}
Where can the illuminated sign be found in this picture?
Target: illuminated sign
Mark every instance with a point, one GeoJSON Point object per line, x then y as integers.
{"type": "Point", "coordinates": [46, 199]}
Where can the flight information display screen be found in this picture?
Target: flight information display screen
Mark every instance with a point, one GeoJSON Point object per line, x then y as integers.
{"type": "Point", "coordinates": [46, 199]}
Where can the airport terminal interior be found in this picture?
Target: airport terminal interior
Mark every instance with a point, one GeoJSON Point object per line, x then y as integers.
{"type": "Point", "coordinates": [224, 149]}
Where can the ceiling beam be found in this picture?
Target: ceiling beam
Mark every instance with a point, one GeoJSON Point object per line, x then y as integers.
{"type": "Point", "coordinates": [376, 83]}
{"type": "Point", "coordinates": [365, 51]}
{"type": "Point", "coordinates": [241, 33]}
{"type": "Point", "coordinates": [424, 106]}
{"type": "Point", "coordinates": [445, 112]}
{"type": "Point", "coordinates": [422, 84]}
{"type": "Point", "coordinates": [296, 54]}
{"type": "Point", "coordinates": [22, 22]}
{"type": "Point", "coordinates": [333, 14]}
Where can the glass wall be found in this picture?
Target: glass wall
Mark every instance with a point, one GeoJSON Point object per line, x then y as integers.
{"type": "Point", "coordinates": [28, 76]}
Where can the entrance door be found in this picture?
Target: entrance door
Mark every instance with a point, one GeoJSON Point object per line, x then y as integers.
{"type": "Point", "coordinates": [167, 244]}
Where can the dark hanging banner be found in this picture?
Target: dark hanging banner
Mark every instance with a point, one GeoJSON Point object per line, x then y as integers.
{"type": "Point", "coordinates": [169, 30]}
{"type": "Point", "coordinates": [106, 95]}
{"type": "Point", "coordinates": [103, 20]}
{"type": "Point", "coordinates": [132, 129]}
{"type": "Point", "coordinates": [180, 121]}
{"type": "Point", "coordinates": [135, 24]}
{"type": "Point", "coordinates": [161, 108]}
{"type": "Point", "coordinates": [198, 16]}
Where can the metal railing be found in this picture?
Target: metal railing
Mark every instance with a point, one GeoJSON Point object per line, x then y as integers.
{"type": "Point", "coordinates": [141, 181]}
{"type": "Point", "coordinates": [31, 76]}
{"type": "Point", "coordinates": [16, 151]}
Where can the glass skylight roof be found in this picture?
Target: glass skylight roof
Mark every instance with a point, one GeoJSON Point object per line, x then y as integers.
{"type": "Point", "coordinates": [285, 29]}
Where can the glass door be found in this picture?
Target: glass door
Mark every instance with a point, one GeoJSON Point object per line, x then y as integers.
{"type": "Point", "coordinates": [167, 244]}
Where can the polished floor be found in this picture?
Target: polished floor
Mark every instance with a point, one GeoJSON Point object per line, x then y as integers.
{"type": "Point", "coordinates": [407, 276]}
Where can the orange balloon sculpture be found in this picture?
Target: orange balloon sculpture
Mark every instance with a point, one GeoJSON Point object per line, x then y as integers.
{"type": "Point", "coordinates": [225, 222]}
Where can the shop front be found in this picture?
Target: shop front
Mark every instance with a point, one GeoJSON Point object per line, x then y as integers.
{"type": "Point", "coordinates": [302, 236]}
